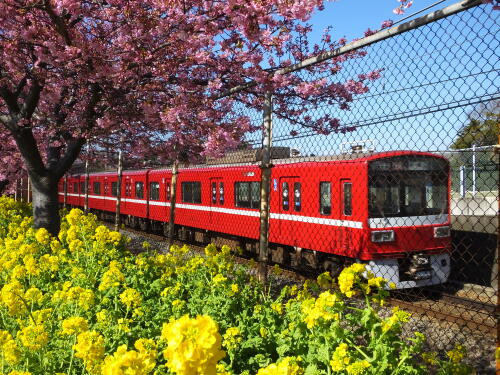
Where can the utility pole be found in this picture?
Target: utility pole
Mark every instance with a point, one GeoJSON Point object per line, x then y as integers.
{"type": "Point", "coordinates": [265, 184]}
{"type": "Point", "coordinates": [173, 197]}
{"type": "Point", "coordinates": [119, 187]}
{"type": "Point", "coordinates": [86, 184]}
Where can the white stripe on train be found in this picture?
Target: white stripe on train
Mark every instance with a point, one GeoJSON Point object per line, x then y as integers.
{"type": "Point", "coordinates": [378, 223]}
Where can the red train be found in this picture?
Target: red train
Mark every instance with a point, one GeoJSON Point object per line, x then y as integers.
{"type": "Point", "coordinates": [389, 210]}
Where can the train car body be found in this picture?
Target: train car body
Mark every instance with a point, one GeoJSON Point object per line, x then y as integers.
{"type": "Point", "coordinates": [389, 210]}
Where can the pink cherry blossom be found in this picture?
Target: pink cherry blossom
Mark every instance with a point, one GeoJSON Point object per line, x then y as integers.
{"type": "Point", "coordinates": [147, 77]}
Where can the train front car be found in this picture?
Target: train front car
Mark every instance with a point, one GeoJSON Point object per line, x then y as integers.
{"type": "Point", "coordinates": [408, 219]}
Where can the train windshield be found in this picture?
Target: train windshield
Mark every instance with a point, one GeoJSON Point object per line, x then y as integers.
{"type": "Point", "coordinates": [408, 186]}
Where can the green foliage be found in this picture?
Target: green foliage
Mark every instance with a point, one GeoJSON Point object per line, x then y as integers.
{"type": "Point", "coordinates": [81, 303]}
{"type": "Point", "coordinates": [480, 131]}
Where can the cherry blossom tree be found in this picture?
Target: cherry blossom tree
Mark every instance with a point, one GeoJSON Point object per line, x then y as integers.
{"type": "Point", "coordinates": [151, 73]}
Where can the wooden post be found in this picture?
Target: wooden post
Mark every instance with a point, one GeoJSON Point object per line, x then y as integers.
{"type": "Point", "coordinates": [173, 197]}
{"type": "Point", "coordinates": [119, 190]}
{"type": "Point", "coordinates": [265, 187]}
{"type": "Point", "coordinates": [15, 191]}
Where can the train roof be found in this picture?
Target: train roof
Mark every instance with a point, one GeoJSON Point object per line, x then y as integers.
{"type": "Point", "coordinates": [347, 157]}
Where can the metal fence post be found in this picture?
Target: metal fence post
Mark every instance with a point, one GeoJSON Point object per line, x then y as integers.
{"type": "Point", "coordinates": [463, 186]}
{"type": "Point", "coordinates": [265, 188]}
{"type": "Point", "coordinates": [497, 150]}
{"type": "Point", "coordinates": [474, 188]}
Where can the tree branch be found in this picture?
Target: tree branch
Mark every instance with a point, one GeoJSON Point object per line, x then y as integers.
{"type": "Point", "coordinates": [28, 148]}
{"type": "Point", "coordinates": [72, 151]}
{"type": "Point", "coordinates": [10, 99]}
{"type": "Point", "coordinates": [59, 23]}
{"type": "Point", "coordinates": [31, 100]}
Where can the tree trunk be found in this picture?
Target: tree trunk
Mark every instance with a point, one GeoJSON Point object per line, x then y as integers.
{"type": "Point", "coordinates": [45, 203]}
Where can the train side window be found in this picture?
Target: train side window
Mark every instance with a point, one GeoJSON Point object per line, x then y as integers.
{"type": "Point", "coordinates": [347, 192]}
{"type": "Point", "coordinates": [214, 192]}
{"type": "Point", "coordinates": [191, 192]}
{"type": "Point", "coordinates": [325, 198]}
{"type": "Point", "coordinates": [168, 191]}
{"type": "Point", "coordinates": [128, 189]}
{"type": "Point", "coordinates": [75, 187]}
{"type": "Point", "coordinates": [82, 187]}
{"type": "Point", "coordinates": [297, 196]}
{"type": "Point", "coordinates": [247, 194]}
{"type": "Point", "coordinates": [114, 188]}
{"type": "Point", "coordinates": [154, 190]}
{"type": "Point", "coordinates": [255, 191]}
{"type": "Point", "coordinates": [221, 193]}
{"type": "Point", "coordinates": [285, 196]}
{"type": "Point", "coordinates": [139, 190]}
{"type": "Point", "coordinates": [97, 188]}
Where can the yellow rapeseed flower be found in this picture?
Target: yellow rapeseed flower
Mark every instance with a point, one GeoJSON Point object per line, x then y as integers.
{"type": "Point", "coordinates": [128, 362]}
{"type": "Point", "coordinates": [319, 309]}
{"type": "Point", "coordinates": [112, 277]}
{"type": "Point", "coordinates": [357, 368]}
{"type": "Point", "coordinates": [74, 325]}
{"type": "Point", "coordinates": [456, 354]}
{"type": "Point", "coordinates": [33, 337]}
{"type": "Point", "coordinates": [340, 357]}
{"type": "Point", "coordinates": [90, 348]}
{"type": "Point", "coordinates": [11, 352]}
{"type": "Point", "coordinates": [33, 295]}
{"type": "Point", "coordinates": [131, 298]}
{"type": "Point", "coordinates": [287, 366]}
{"type": "Point", "coordinates": [232, 338]}
{"type": "Point", "coordinates": [11, 297]}
{"type": "Point", "coordinates": [193, 345]}
{"type": "Point", "coordinates": [42, 236]}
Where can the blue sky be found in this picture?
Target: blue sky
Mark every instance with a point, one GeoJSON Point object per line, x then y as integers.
{"type": "Point", "coordinates": [350, 18]}
{"type": "Point", "coordinates": [432, 78]}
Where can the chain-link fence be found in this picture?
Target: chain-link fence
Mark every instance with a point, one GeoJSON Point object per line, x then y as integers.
{"type": "Point", "coordinates": [405, 178]}
{"type": "Point", "coordinates": [352, 193]}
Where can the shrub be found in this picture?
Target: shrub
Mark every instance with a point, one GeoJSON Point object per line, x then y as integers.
{"type": "Point", "coordinates": [82, 303]}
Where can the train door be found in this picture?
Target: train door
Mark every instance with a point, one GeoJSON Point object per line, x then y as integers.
{"type": "Point", "coordinates": [128, 192]}
{"type": "Point", "coordinates": [290, 207]}
{"type": "Point", "coordinates": [346, 211]}
{"type": "Point", "coordinates": [217, 197]}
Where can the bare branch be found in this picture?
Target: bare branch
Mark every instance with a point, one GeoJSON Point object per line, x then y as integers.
{"type": "Point", "coordinates": [28, 148]}
{"type": "Point", "coordinates": [59, 23]}
{"type": "Point", "coordinates": [31, 100]}
{"type": "Point", "coordinates": [10, 99]}
{"type": "Point", "coordinates": [72, 151]}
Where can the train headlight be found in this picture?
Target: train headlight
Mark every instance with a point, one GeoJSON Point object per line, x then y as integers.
{"type": "Point", "coordinates": [440, 232]}
{"type": "Point", "coordinates": [383, 236]}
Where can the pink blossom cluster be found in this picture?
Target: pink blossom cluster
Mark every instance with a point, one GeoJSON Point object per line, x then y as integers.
{"type": "Point", "coordinates": [404, 4]}
{"type": "Point", "coordinates": [147, 76]}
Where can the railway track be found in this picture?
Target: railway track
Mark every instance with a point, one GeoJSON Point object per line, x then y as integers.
{"type": "Point", "coordinates": [432, 302]}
